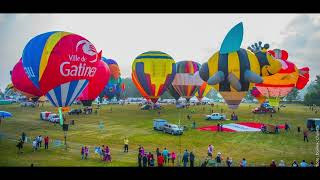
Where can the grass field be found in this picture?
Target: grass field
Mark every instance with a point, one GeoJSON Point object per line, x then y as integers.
{"type": "Point", "coordinates": [259, 149]}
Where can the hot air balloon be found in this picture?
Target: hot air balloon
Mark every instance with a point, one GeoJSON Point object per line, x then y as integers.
{"type": "Point", "coordinates": [60, 64]}
{"type": "Point", "coordinates": [173, 92]}
{"type": "Point", "coordinates": [203, 91]}
{"type": "Point", "coordinates": [282, 83]}
{"type": "Point", "coordinates": [232, 71]}
{"type": "Point", "coordinates": [256, 93]}
{"type": "Point", "coordinates": [112, 89]}
{"type": "Point", "coordinates": [23, 84]}
{"type": "Point", "coordinates": [187, 80]}
{"type": "Point", "coordinates": [152, 72]}
{"type": "Point", "coordinates": [95, 85]}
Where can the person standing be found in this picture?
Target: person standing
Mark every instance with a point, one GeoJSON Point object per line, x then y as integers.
{"type": "Point", "coordinates": [149, 156]}
{"type": "Point", "coordinates": [192, 159]}
{"type": "Point", "coordinates": [286, 126]}
{"type": "Point", "coordinates": [219, 159]}
{"type": "Point", "coordinates": [305, 135]}
{"type": "Point", "coordinates": [151, 161]}
{"type": "Point", "coordinates": [281, 164]}
{"type": "Point", "coordinates": [173, 157]}
{"type": "Point", "coordinates": [35, 144]}
{"type": "Point", "coordinates": [304, 164]}
{"type": "Point", "coordinates": [295, 164]}
{"type": "Point", "coordinates": [82, 152]}
{"type": "Point", "coordinates": [158, 152]}
{"type": "Point", "coordinates": [46, 142]}
{"type": "Point", "coordinates": [160, 160]}
{"type": "Point", "coordinates": [20, 146]}
{"type": "Point", "coordinates": [243, 163]}
{"type": "Point", "coordinates": [126, 144]}
{"type": "Point", "coordinates": [218, 125]}
{"type": "Point", "coordinates": [273, 164]}
{"type": "Point", "coordinates": [23, 136]}
{"type": "Point", "coordinates": [210, 150]}
{"type": "Point", "coordinates": [40, 140]}
{"type": "Point", "coordinates": [185, 158]}
{"type": "Point", "coordinates": [144, 160]}
{"type": "Point", "coordinates": [139, 159]}
{"type": "Point", "coordinates": [165, 154]}
{"type": "Point", "coordinates": [229, 162]}
{"type": "Point", "coordinates": [86, 152]}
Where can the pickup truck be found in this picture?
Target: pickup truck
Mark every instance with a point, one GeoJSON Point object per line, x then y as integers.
{"type": "Point", "coordinates": [216, 116]}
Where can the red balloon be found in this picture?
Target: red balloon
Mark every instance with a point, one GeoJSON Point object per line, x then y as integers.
{"type": "Point", "coordinates": [97, 84]}
{"type": "Point", "coordinates": [22, 83]}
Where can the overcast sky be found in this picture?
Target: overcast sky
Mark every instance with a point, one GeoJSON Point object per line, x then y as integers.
{"type": "Point", "coordinates": [183, 36]}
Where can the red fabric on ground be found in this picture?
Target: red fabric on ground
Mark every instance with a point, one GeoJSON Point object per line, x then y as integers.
{"type": "Point", "coordinates": [249, 124]}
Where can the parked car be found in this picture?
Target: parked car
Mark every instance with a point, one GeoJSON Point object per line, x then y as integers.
{"type": "Point", "coordinates": [28, 104]}
{"type": "Point", "coordinates": [172, 129]}
{"type": "Point", "coordinates": [45, 115]}
{"type": "Point", "coordinates": [75, 111]}
{"type": "Point", "coordinates": [262, 110]}
{"type": "Point", "coordinates": [216, 116]}
{"type": "Point", "coordinates": [179, 106]}
{"type": "Point", "coordinates": [54, 118]}
{"type": "Point", "coordinates": [159, 123]}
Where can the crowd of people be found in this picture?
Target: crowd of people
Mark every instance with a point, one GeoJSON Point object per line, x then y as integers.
{"type": "Point", "coordinates": [36, 143]}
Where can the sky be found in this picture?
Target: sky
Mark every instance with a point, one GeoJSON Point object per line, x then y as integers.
{"type": "Point", "coordinates": [197, 37]}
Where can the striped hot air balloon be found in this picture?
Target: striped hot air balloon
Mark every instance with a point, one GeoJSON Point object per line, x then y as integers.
{"type": "Point", "coordinates": [113, 89]}
{"type": "Point", "coordinates": [187, 80]}
{"type": "Point", "coordinates": [60, 64]}
{"type": "Point", "coordinates": [152, 72]}
{"type": "Point", "coordinates": [203, 90]}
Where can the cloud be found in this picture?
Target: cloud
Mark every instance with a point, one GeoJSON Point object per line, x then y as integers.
{"type": "Point", "coordinates": [302, 40]}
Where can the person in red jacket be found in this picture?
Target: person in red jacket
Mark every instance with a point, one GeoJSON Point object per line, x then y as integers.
{"type": "Point", "coordinates": [160, 160]}
{"type": "Point", "coordinates": [46, 142]}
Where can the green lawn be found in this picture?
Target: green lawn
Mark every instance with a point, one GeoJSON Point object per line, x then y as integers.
{"type": "Point", "coordinates": [259, 149]}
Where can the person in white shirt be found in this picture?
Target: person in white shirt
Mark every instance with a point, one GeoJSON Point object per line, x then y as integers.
{"type": "Point", "coordinates": [34, 145]}
{"type": "Point", "coordinates": [281, 164]}
{"type": "Point", "coordinates": [39, 140]}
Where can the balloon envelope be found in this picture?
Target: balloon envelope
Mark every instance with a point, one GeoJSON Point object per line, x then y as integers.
{"type": "Point", "coordinates": [152, 72]}
{"type": "Point", "coordinates": [187, 79]}
{"type": "Point", "coordinates": [203, 90]}
{"type": "Point", "coordinates": [95, 85]}
{"type": "Point", "coordinates": [22, 83]}
{"type": "Point", "coordinates": [60, 64]}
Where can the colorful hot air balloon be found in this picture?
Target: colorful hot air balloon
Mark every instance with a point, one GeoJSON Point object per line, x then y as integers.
{"type": "Point", "coordinates": [60, 64]}
{"type": "Point", "coordinates": [152, 72]}
{"type": "Point", "coordinates": [232, 71]}
{"type": "Point", "coordinates": [281, 84]}
{"type": "Point", "coordinates": [187, 80]}
{"type": "Point", "coordinates": [95, 85]}
{"type": "Point", "coordinates": [23, 84]}
{"type": "Point", "coordinates": [203, 91]}
{"type": "Point", "coordinates": [112, 89]}
{"type": "Point", "coordinates": [173, 92]}
{"type": "Point", "coordinates": [256, 93]}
